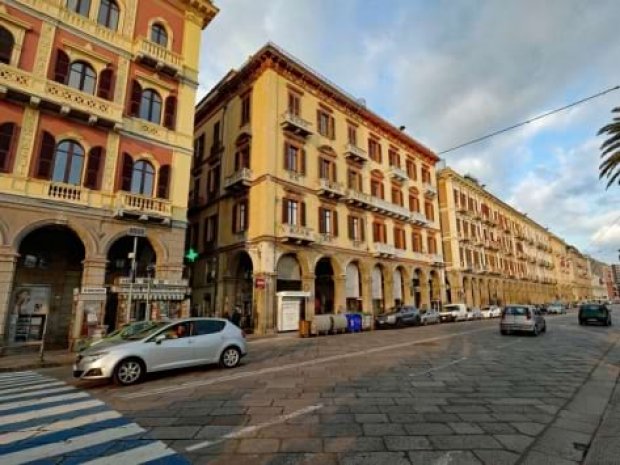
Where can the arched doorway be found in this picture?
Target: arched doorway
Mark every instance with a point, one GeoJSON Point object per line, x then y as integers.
{"type": "Point", "coordinates": [398, 287]}
{"type": "Point", "coordinates": [353, 288]}
{"type": "Point", "coordinates": [323, 287]}
{"type": "Point", "coordinates": [244, 292]}
{"type": "Point", "coordinates": [119, 273]}
{"type": "Point", "coordinates": [289, 274]}
{"type": "Point", "coordinates": [49, 268]}
{"type": "Point", "coordinates": [378, 305]}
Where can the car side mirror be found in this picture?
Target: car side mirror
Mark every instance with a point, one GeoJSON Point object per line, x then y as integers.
{"type": "Point", "coordinates": [159, 338]}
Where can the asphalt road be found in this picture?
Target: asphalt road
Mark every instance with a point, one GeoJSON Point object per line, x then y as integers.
{"type": "Point", "coordinates": [456, 393]}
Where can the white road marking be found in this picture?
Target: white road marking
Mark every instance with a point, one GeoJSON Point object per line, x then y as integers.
{"type": "Point", "coordinates": [39, 392]}
{"type": "Point", "coordinates": [70, 445]}
{"type": "Point", "coordinates": [45, 400]}
{"type": "Point", "coordinates": [18, 374]}
{"type": "Point", "coordinates": [33, 388]}
{"type": "Point", "coordinates": [440, 367]}
{"type": "Point", "coordinates": [32, 414]}
{"type": "Point", "coordinates": [32, 382]}
{"type": "Point", "coordinates": [57, 426]}
{"type": "Point", "coordinates": [136, 455]}
{"type": "Point", "coordinates": [318, 361]}
{"type": "Point", "coordinates": [251, 429]}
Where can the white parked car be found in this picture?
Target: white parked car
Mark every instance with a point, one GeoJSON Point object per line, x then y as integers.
{"type": "Point", "coordinates": [430, 317]}
{"type": "Point", "coordinates": [163, 346]}
{"type": "Point", "coordinates": [474, 314]}
{"type": "Point", "coordinates": [556, 308]}
{"type": "Point", "coordinates": [491, 311]}
{"type": "Point", "coordinates": [454, 312]}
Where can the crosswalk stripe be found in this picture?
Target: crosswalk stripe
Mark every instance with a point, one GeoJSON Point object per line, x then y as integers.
{"type": "Point", "coordinates": [21, 379]}
{"type": "Point", "coordinates": [31, 388]}
{"type": "Point", "coordinates": [40, 392]}
{"type": "Point", "coordinates": [31, 382]}
{"type": "Point", "coordinates": [17, 374]}
{"type": "Point", "coordinates": [29, 415]}
{"type": "Point", "coordinates": [56, 426]}
{"type": "Point", "coordinates": [70, 445]}
{"type": "Point", "coordinates": [136, 455]}
{"type": "Point", "coordinates": [47, 400]}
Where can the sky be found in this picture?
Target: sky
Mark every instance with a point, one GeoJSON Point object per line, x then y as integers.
{"type": "Point", "coordinates": [454, 70]}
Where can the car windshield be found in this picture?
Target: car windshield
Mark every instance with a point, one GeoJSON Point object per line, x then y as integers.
{"type": "Point", "coordinates": [144, 331]}
{"type": "Point", "coordinates": [516, 311]}
{"type": "Point", "coordinates": [449, 308]}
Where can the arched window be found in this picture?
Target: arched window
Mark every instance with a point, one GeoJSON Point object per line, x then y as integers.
{"type": "Point", "coordinates": [108, 14]}
{"type": "Point", "coordinates": [142, 178]}
{"type": "Point", "coordinates": [81, 7]}
{"type": "Point", "coordinates": [150, 106]}
{"type": "Point", "coordinates": [82, 76]}
{"type": "Point", "coordinates": [7, 42]}
{"type": "Point", "coordinates": [159, 35]}
{"type": "Point", "coordinates": [68, 162]}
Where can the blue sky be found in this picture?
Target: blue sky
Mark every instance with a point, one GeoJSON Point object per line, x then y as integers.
{"type": "Point", "coordinates": [453, 70]}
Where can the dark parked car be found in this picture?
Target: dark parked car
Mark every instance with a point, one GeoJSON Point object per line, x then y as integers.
{"type": "Point", "coordinates": [598, 313]}
{"type": "Point", "coordinates": [399, 316]}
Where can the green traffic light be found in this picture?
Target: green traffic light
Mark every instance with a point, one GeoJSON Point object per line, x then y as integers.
{"type": "Point", "coordinates": [191, 255]}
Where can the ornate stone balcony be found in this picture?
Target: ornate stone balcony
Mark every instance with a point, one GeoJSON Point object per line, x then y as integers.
{"type": "Point", "coordinates": [355, 153]}
{"type": "Point", "coordinates": [241, 179]}
{"type": "Point", "coordinates": [297, 234]}
{"type": "Point", "coordinates": [383, 250]}
{"type": "Point", "coordinates": [158, 57]}
{"type": "Point", "coordinates": [55, 96]}
{"type": "Point", "coordinates": [138, 204]}
{"type": "Point", "coordinates": [330, 189]}
{"type": "Point", "coordinates": [296, 124]}
{"type": "Point", "coordinates": [389, 208]}
{"type": "Point", "coordinates": [65, 192]}
{"type": "Point", "coordinates": [430, 190]}
{"type": "Point", "coordinates": [398, 173]}
{"type": "Point", "coordinates": [358, 198]}
{"type": "Point", "coordinates": [418, 218]}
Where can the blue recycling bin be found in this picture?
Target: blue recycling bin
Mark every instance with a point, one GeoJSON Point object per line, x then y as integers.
{"type": "Point", "coordinates": [350, 322]}
{"type": "Point", "coordinates": [357, 323]}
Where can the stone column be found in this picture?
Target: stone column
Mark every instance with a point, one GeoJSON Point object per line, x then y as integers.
{"type": "Point", "coordinates": [366, 292]}
{"type": "Point", "coordinates": [8, 261]}
{"type": "Point", "coordinates": [425, 292]}
{"type": "Point", "coordinates": [340, 300]}
{"type": "Point", "coordinates": [307, 285]}
{"type": "Point", "coordinates": [93, 274]}
{"type": "Point", "coordinates": [264, 303]}
{"type": "Point", "coordinates": [388, 289]}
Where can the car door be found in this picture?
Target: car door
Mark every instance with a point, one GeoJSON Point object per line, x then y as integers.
{"type": "Point", "coordinates": [208, 340]}
{"type": "Point", "coordinates": [174, 351]}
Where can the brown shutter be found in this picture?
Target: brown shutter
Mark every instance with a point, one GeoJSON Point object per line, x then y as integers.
{"type": "Point", "coordinates": [234, 218]}
{"type": "Point", "coordinates": [335, 223]}
{"type": "Point", "coordinates": [362, 229]}
{"type": "Point", "coordinates": [106, 83]}
{"type": "Point", "coordinates": [321, 221]}
{"type": "Point", "coordinates": [135, 98]}
{"type": "Point", "coordinates": [303, 213]}
{"type": "Point", "coordinates": [286, 167]}
{"type": "Point", "coordinates": [332, 128]}
{"type": "Point", "coordinates": [163, 182]}
{"type": "Point", "coordinates": [303, 161]}
{"type": "Point", "coordinates": [93, 168]}
{"type": "Point", "coordinates": [246, 215]}
{"type": "Point", "coordinates": [61, 68]}
{"type": "Point", "coordinates": [170, 113]}
{"type": "Point", "coordinates": [126, 172]}
{"type": "Point", "coordinates": [46, 156]}
{"type": "Point", "coordinates": [350, 227]}
{"type": "Point", "coordinates": [334, 174]}
{"type": "Point", "coordinates": [318, 121]}
{"type": "Point", "coordinates": [9, 137]}
{"type": "Point", "coordinates": [284, 211]}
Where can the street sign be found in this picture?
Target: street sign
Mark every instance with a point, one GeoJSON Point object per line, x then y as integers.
{"type": "Point", "coordinates": [259, 283]}
{"type": "Point", "coordinates": [138, 232]}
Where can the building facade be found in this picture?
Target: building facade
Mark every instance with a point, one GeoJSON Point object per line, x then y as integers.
{"type": "Point", "coordinates": [96, 140]}
{"type": "Point", "coordinates": [493, 253]}
{"type": "Point", "coordinates": [322, 205]}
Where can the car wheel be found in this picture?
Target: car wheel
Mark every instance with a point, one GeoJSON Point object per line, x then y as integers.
{"type": "Point", "coordinates": [535, 332]}
{"type": "Point", "coordinates": [230, 358]}
{"type": "Point", "coordinates": [129, 371]}
{"type": "Point", "coordinates": [399, 323]}
{"type": "Point", "coordinates": [503, 332]}
{"type": "Point", "coordinates": [544, 328]}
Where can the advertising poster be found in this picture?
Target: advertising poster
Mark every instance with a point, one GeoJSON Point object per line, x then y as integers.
{"type": "Point", "coordinates": [29, 309]}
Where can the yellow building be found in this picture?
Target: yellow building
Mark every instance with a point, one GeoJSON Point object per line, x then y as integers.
{"type": "Point", "coordinates": [96, 134]}
{"type": "Point", "coordinates": [581, 276]}
{"type": "Point", "coordinates": [322, 206]}
{"type": "Point", "coordinates": [493, 253]}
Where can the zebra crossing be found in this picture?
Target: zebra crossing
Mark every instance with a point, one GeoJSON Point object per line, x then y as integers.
{"type": "Point", "coordinates": [45, 421]}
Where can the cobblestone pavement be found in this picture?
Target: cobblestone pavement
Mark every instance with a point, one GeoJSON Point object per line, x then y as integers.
{"type": "Point", "coordinates": [448, 394]}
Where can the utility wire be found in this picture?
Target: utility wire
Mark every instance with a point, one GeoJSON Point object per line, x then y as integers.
{"type": "Point", "coordinates": [536, 118]}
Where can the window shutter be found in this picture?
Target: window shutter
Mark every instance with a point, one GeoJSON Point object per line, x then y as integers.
{"type": "Point", "coordinates": [285, 211]}
{"type": "Point", "coordinates": [335, 225]}
{"type": "Point", "coordinates": [13, 147]}
{"type": "Point", "coordinates": [9, 137]}
{"type": "Point", "coordinates": [93, 168]}
{"type": "Point", "coordinates": [246, 216]}
{"type": "Point", "coordinates": [170, 113]}
{"type": "Point", "coordinates": [286, 167]}
{"type": "Point", "coordinates": [106, 83]}
{"type": "Point", "coordinates": [135, 98]}
{"type": "Point", "coordinates": [362, 229]}
{"type": "Point", "coordinates": [332, 128]}
{"type": "Point", "coordinates": [303, 162]}
{"type": "Point", "coordinates": [126, 173]}
{"type": "Point", "coordinates": [163, 182]}
{"type": "Point", "coordinates": [234, 218]}
{"type": "Point", "coordinates": [350, 227]}
{"type": "Point", "coordinates": [384, 232]}
{"type": "Point", "coordinates": [334, 176]}
{"type": "Point", "coordinates": [46, 156]}
{"type": "Point", "coordinates": [61, 68]}
{"type": "Point", "coordinates": [303, 213]}
{"type": "Point", "coordinates": [321, 221]}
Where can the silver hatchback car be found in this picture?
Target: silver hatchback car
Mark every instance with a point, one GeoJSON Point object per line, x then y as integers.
{"type": "Point", "coordinates": [524, 318]}
{"type": "Point", "coordinates": [164, 346]}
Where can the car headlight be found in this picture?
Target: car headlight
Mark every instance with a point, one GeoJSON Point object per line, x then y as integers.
{"type": "Point", "coordinates": [93, 357]}
{"type": "Point", "coordinates": [391, 319]}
